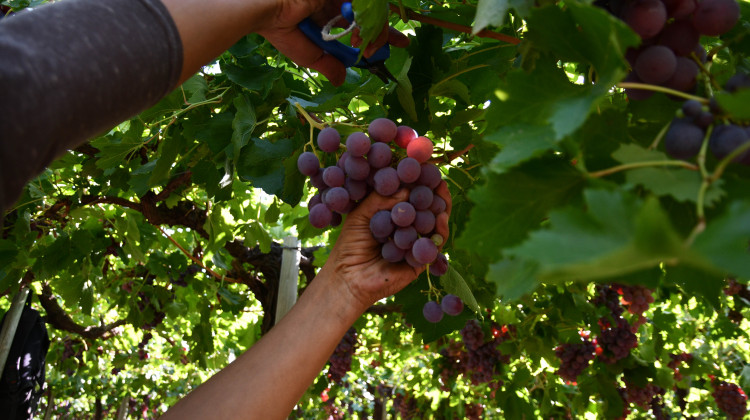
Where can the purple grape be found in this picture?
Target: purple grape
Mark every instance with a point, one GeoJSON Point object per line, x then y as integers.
{"type": "Point", "coordinates": [645, 17]}
{"type": "Point", "coordinates": [715, 17]}
{"type": "Point", "coordinates": [680, 36]}
{"type": "Point", "coordinates": [692, 108]}
{"type": "Point", "coordinates": [308, 164]}
{"type": "Point", "coordinates": [452, 305]}
{"type": "Point", "coordinates": [358, 144]}
{"type": "Point", "coordinates": [382, 130]}
{"type": "Point", "coordinates": [386, 181]}
{"type": "Point", "coordinates": [432, 312]}
{"type": "Point", "coordinates": [337, 199]}
{"type": "Point", "coordinates": [392, 253]}
{"type": "Point", "coordinates": [438, 204]}
{"type": "Point", "coordinates": [329, 140]}
{"type": "Point", "coordinates": [737, 82]}
{"type": "Point", "coordinates": [685, 75]}
{"type": "Point", "coordinates": [380, 155]}
{"type": "Point", "coordinates": [421, 197]}
{"type": "Point", "coordinates": [655, 64]}
{"type": "Point", "coordinates": [409, 258]}
{"type": "Point", "coordinates": [314, 200]}
{"type": "Point", "coordinates": [403, 214]}
{"type": "Point", "coordinates": [342, 160]}
{"type": "Point", "coordinates": [679, 9]}
{"type": "Point", "coordinates": [636, 94]}
{"type": "Point", "coordinates": [724, 141]}
{"type": "Point", "coordinates": [704, 120]}
{"type": "Point", "coordinates": [320, 216]}
{"type": "Point", "coordinates": [336, 219]}
{"type": "Point", "coordinates": [424, 221]}
{"type": "Point", "coordinates": [357, 189]}
{"type": "Point", "coordinates": [683, 139]}
{"type": "Point", "coordinates": [430, 176]}
{"type": "Point", "coordinates": [357, 168]}
{"type": "Point", "coordinates": [408, 170]}
{"type": "Point", "coordinates": [404, 237]}
{"type": "Point", "coordinates": [333, 176]}
{"type": "Point", "coordinates": [424, 251]}
{"type": "Point", "coordinates": [440, 266]}
{"type": "Point", "coordinates": [317, 181]}
{"type": "Point", "coordinates": [381, 225]}
{"type": "Point", "coordinates": [404, 135]}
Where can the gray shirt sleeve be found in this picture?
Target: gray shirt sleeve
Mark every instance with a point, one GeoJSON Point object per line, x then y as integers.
{"type": "Point", "coordinates": [73, 69]}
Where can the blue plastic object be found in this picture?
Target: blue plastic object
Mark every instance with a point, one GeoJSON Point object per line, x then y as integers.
{"type": "Point", "coordinates": [344, 53]}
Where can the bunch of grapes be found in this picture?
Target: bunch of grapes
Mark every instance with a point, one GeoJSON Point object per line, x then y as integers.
{"type": "Point", "coordinates": [341, 359]}
{"type": "Point", "coordinates": [481, 357]}
{"type": "Point", "coordinates": [730, 399]}
{"type": "Point", "coordinates": [574, 358]}
{"type": "Point", "coordinates": [450, 304]}
{"type": "Point", "coordinates": [406, 405]}
{"type": "Point", "coordinates": [685, 136]}
{"type": "Point", "coordinates": [407, 231]}
{"type": "Point", "coordinates": [635, 298]}
{"type": "Point", "coordinates": [472, 334]}
{"type": "Point", "coordinates": [616, 341]}
{"type": "Point", "coordinates": [607, 296]}
{"type": "Point", "coordinates": [142, 354]}
{"type": "Point", "coordinates": [641, 396]}
{"type": "Point", "coordinates": [473, 411]}
{"type": "Point", "coordinates": [671, 30]}
{"type": "Point", "coordinates": [676, 360]}
{"type": "Point", "coordinates": [451, 364]}
{"type": "Point", "coordinates": [734, 287]}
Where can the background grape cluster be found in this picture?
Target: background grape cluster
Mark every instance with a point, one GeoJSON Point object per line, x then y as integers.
{"type": "Point", "coordinates": [341, 359]}
{"type": "Point", "coordinates": [671, 29]}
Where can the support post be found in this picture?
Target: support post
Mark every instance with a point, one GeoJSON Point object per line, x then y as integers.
{"type": "Point", "coordinates": [11, 325]}
{"type": "Point", "coordinates": [288, 277]}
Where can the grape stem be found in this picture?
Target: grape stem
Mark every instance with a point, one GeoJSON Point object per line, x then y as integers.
{"type": "Point", "coordinates": [310, 119]}
{"type": "Point", "coordinates": [407, 14]}
{"type": "Point", "coordinates": [722, 166]}
{"type": "Point", "coordinates": [453, 156]}
{"type": "Point", "coordinates": [645, 86]}
{"type": "Point", "coordinates": [198, 261]}
{"type": "Point", "coordinates": [659, 136]}
{"type": "Point", "coordinates": [636, 165]}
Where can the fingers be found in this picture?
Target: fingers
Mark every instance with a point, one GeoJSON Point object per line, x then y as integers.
{"type": "Point", "coordinates": [295, 45]}
{"type": "Point", "coordinates": [389, 34]}
{"type": "Point", "coordinates": [445, 194]}
{"type": "Point", "coordinates": [397, 39]}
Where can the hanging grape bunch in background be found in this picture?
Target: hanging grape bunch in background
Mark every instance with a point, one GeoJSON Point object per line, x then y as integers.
{"type": "Point", "coordinates": [369, 163]}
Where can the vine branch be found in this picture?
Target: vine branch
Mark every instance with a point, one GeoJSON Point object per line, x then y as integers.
{"type": "Point", "coordinates": [59, 319]}
{"type": "Point", "coordinates": [635, 165]}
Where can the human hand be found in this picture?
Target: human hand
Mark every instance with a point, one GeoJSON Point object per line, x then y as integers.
{"type": "Point", "coordinates": [283, 33]}
{"type": "Point", "coordinates": [356, 262]}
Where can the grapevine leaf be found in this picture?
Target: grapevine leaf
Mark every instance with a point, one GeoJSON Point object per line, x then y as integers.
{"type": "Point", "coordinates": [697, 282]}
{"type": "Point", "coordinates": [262, 163]}
{"type": "Point", "coordinates": [510, 205]}
{"type": "Point", "coordinates": [519, 143]}
{"type": "Point", "coordinates": [725, 241]}
{"type": "Point", "coordinates": [114, 150]}
{"type": "Point", "coordinates": [490, 12]}
{"type": "Point", "coordinates": [168, 151]}
{"type": "Point", "coordinates": [681, 184]}
{"type": "Point", "coordinates": [454, 283]}
{"type": "Point", "coordinates": [371, 16]}
{"type": "Point", "coordinates": [514, 278]}
{"type": "Point", "coordinates": [630, 153]}
{"type": "Point", "coordinates": [404, 91]}
{"type": "Point", "coordinates": [242, 125]}
{"type": "Point", "coordinates": [195, 89]}
{"type": "Point", "coordinates": [736, 104]}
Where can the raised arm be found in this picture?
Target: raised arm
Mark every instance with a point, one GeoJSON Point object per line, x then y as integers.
{"type": "Point", "coordinates": [268, 380]}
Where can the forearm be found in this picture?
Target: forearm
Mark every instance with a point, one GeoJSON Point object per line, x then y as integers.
{"type": "Point", "coordinates": [268, 380]}
{"type": "Point", "coordinates": [209, 28]}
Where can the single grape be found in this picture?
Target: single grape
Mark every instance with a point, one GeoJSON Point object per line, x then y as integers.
{"type": "Point", "coordinates": [408, 170]}
{"type": "Point", "coordinates": [704, 120]}
{"type": "Point", "coordinates": [357, 189]}
{"type": "Point", "coordinates": [680, 36]}
{"type": "Point", "coordinates": [357, 168]}
{"type": "Point", "coordinates": [358, 144]}
{"type": "Point", "coordinates": [342, 160]}
{"type": "Point", "coordinates": [404, 237]}
{"type": "Point", "coordinates": [392, 253]}
{"type": "Point", "coordinates": [421, 197]}
{"type": "Point", "coordinates": [403, 214]}
{"type": "Point", "coordinates": [440, 266]}
{"type": "Point", "coordinates": [386, 181]}
{"type": "Point", "coordinates": [317, 181]}
{"type": "Point", "coordinates": [308, 164]}
{"type": "Point", "coordinates": [320, 216]}
{"type": "Point", "coordinates": [333, 176]}
{"type": "Point", "coordinates": [424, 221]}
{"type": "Point", "coordinates": [715, 17]}
{"type": "Point", "coordinates": [685, 75]}
{"type": "Point", "coordinates": [679, 9]}
{"type": "Point", "coordinates": [329, 140]}
{"type": "Point", "coordinates": [382, 130]}
{"type": "Point", "coordinates": [420, 149]}
{"type": "Point", "coordinates": [432, 312]}
{"type": "Point", "coordinates": [336, 219]}
{"type": "Point", "coordinates": [430, 176]}
{"type": "Point", "coordinates": [636, 94]}
{"type": "Point", "coordinates": [655, 64]}
{"type": "Point", "coordinates": [452, 304]}
{"type": "Point", "coordinates": [314, 200]}
{"type": "Point", "coordinates": [380, 155]}
{"type": "Point", "coordinates": [381, 225]}
{"type": "Point", "coordinates": [725, 141]}
{"type": "Point", "coordinates": [700, 52]}
{"type": "Point", "coordinates": [337, 199]}
{"type": "Point", "coordinates": [437, 239]}
{"type": "Point", "coordinates": [645, 17]}
{"type": "Point", "coordinates": [683, 139]}
{"type": "Point", "coordinates": [404, 135]}
{"type": "Point", "coordinates": [737, 82]}
{"type": "Point", "coordinates": [692, 108]}
{"type": "Point", "coordinates": [438, 204]}
{"type": "Point", "coordinates": [424, 251]}
{"type": "Point", "coordinates": [409, 258]}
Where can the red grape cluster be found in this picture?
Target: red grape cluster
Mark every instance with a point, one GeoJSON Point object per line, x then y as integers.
{"type": "Point", "coordinates": [671, 30]}
{"type": "Point", "coordinates": [341, 359]}
{"type": "Point", "coordinates": [616, 341]}
{"type": "Point", "coordinates": [574, 358]}
{"type": "Point", "coordinates": [730, 399]}
{"type": "Point", "coordinates": [482, 357]}
{"type": "Point", "coordinates": [407, 231]}
{"type": "Point", "coordinates": [635, 298]}
{"type": "Point", "coordinates": [608, 297]}
{"type": "Point", "coordinates": [406, 405]}
{"type": "Point", "coordinates": [451, 305]}
{"type": "Point", "coordinates": [734, 287]}
{"type": "Point", "coordinates": [676, 360]}
{"type": "Point", "coordinates": [641, 396]}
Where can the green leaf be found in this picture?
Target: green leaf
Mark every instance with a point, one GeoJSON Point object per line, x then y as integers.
{"type": "Point", "coordinates": [454, 283]}
{"type": "Point", "coordinates": [195, 89]}
{"type": "Point", "coordinates": [115, 149]}
{"type": "Point", "coordinates": [680, 184]}
{"type": "Point", "coordinates": [726, 239]}
{"type": "Point", "coordinates": [510, 205]}
{"type": "Point", "coordinates": [242, 125]}
{"type": "Point", "coordinates": [371, 16]}
{"type": "Point", "coordinates": [514, 278]}
{"type": "Point", "coordinates": [168, 151]}
{"type": "Point", "coordinates": [736, 104]}
{"type": "Point", "coordinates": [519, 143]}
{"type": "Point", "coordinates": [492, 12]}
